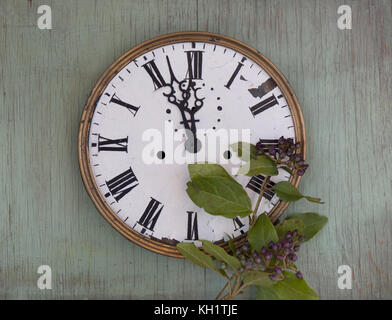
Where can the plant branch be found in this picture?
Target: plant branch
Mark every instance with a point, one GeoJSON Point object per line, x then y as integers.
{"type": "Point", "coordinates": [262, 189]}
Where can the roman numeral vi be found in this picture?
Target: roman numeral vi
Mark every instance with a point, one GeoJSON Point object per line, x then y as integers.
{"type": "Point", "coordinates": [192, 230]}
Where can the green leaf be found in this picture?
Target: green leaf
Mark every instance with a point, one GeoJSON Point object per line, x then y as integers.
{"type": "Point", "coordinates": [287, 169]}
{"type": "Point", "coordinates": [311, 199]}
{"type": "Point", "coordinates": [232, 245]}
{"type": "Point", "coordinates": [311, 221]}
{"type": "Point", "coordinates": [245, 151]}
{"type": "Point", "coordinates": [220, 254]}
{"type": "Point", "coordinates": [258, 278]}
{"type": "Point", "coordinates": [292, 288]}
{"type": "Point", "coordinates": [206, 170]}
{"type": "Point", "coordinates": [194, 255]}
{"type": "Point", "coordinates": [220, 196]}
{"type": "Point", "coordinates": [262, 233]}
{"type": "Point", "coordinates": [264, 293]}
{"type": "Point", "coordinates": [262, 164]}
{"type": "Point", "coordinates": [290, 225]}
{"type": "Point", "coordinates": [287, 192]}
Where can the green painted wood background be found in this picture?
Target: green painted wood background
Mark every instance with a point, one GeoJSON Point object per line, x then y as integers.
{"type": "Point", "coordinates": [342, 80]}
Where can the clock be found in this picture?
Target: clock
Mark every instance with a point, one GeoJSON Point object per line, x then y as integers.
{"type": "Point", "coordinates": [153, 111]}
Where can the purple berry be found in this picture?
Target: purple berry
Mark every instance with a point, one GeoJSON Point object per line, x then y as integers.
{"type": "Point", "coordinates": [279, 257]}
{"type": "Point", "coordinates": [293, 257]}
{"type": "Point", "coordinates": [258, 260]}
{"type": "Point", "coordinates": [295, 233]}
{"type": "Point", "coordinates": [288, 235]}
{"type": "Point", "coordinates": [301, 239]}
{"type": "Point", "coordinates": [248, 266]}
{"type": "Point", "coordinates": [271, 244]}
{"type": "Point", "coordinates": [272, 277]}
{"type": "Point", "coordinates": [299, 275]}
{"type": "Point", "coordinates": [287, 245]}
{"type": "Point", "coordinates": [275, 247]}
{"type": "Point", "coordinates": [296, 248]}
{"type": "Point", "coordinates": [277, 270]}
{"type": "Point", "coordinates": [263, 250]}
{"type": "Point", "coordinates": [268, 255]}
{"type": "Point", "coordinates": [286, 250]}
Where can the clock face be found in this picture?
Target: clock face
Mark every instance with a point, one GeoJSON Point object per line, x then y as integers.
{"type": "Point", "coordinates": [165, 108]}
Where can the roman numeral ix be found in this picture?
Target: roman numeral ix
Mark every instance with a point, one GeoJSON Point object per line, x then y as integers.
{"type": "Point", "coordinates": [150, 215]}
{"type": "Point", "coordinates": [122, 184]}
{"type": "Point", "coordinates": [255, 184]}
{"type": "Point", "coordinates": [131, 108]}
{"type": "Point", "coordinates": [192, 227]}
{"type": "Point", "coordinates": [106, 144]}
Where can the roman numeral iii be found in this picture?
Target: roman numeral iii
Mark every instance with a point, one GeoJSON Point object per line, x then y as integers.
{"type": "Point", "coordinates": [150, 215]}
{"type": "Point", "coordinates": [122, 184]}
{"type": "Point", "coordinates": [192, 227]}
{"type": "Point", "coordinates": [154, 74]}
{"type": "Point", "coordinates": [255, 184]}
{"type": "Point", "coordinates": [106, 144]}
{"type": "Point", "coordinates": [131, 108]}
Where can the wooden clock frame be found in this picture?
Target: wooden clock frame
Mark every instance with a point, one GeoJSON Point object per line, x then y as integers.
{"type": "Point", "coordinates": [119, 64]}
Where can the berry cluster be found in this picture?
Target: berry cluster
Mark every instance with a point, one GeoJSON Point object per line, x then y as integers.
{"type": "Point", "coordinates": [285, 152]}
{"type": "Point", "coordinates": [274, 259]}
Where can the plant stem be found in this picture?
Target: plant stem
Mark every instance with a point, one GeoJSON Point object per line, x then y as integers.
{"type": "Point", "coordinates": [223, 289]}
{"type": "Point", "coordinates": [262, 189]}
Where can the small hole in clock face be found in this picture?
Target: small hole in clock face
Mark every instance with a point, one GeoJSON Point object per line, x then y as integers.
{"type": "Point", "coordinates": [168, 111]}
{"type": "Point", "coordinates": [161, 155]}
{"type": "Point", "coordinates": [227, 154]}
{"type": "Point", "coordinates": [219, 108]}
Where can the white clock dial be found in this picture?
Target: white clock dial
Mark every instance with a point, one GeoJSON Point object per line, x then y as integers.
{"type": "Point", "coordinates": [220, 89]}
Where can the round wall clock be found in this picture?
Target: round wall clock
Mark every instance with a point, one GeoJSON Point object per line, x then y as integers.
{"type": "Point", "coordinates": [161, 90]}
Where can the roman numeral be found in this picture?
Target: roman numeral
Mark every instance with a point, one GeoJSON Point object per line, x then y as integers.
{"type": "Point", "coordinates": [238, 225]}
{"type": "Point", "coordinates": [192, 231]}
{"type": "Point", "coordinates": [122, 184]}
{"type": "Point", "coordinates": [132, 109]}
{"type": "Point", "coordinates": [234, 75]}
{"type": "Point", "coordinates": [150, 216]}
{"type": "Point", "coordinates": [255, 184]}
{"type": "Point", "coordinates": [263, 105]}
{"type": "Point", "coordinates": [267, 143]}
{"type": "Point", "coordinates": [106, 144]}
{"type": "Point", "coordinates": [155, 74]}
{"type": "Point", "coordinates": [195, 63]}
{"type": "Point", "coordinates": [263, 89]}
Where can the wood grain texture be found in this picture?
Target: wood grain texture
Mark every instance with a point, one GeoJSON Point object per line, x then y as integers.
{"type": "Point", "coordinates": [342, 80]}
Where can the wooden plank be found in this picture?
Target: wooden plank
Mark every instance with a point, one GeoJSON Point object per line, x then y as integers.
{"type": "Point", "coordinates": [342, 80]}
